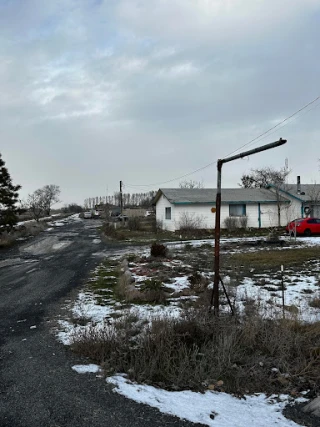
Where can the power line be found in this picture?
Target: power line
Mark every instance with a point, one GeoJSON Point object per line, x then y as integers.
{"type": "Point", "coordinates": [274, 127]}
{"type": "Point", "coordinates": [174, 179]}
{"type": "Point", "coordinates": [283, 125]}
{"type": "Point", "coordinates": [259, 137]}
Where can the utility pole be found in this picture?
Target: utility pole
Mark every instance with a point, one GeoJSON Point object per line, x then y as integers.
{"type": "Point", "coordinates": [121, 200]}
{"type": "Point", "coordinates": [217, 279]}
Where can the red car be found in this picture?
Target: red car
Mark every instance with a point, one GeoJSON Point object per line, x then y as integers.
{"type": "Point", "coordinates": [305, 226]}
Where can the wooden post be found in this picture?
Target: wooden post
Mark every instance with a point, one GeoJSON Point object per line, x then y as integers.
{"type": "Point", "coordinates": [282, 290]}
{"type": "Point", "coordinates": [215, 295]}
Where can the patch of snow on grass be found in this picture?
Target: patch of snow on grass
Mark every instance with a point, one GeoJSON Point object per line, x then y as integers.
{"type": "Point", "coordinates": [178, 284]}
{"type": "Point", "coordinates": [293, 296]}
{"type": "Point", "coordinates": [86, 369]}
{"type": "Point", "coordinates": [210, 408]}
{"type": "Point", "coordinates": [150, 312]}
{"type": "Point", "coordinates": [309, 241]}
{"type": "Point", "coordinates": [86, 307]}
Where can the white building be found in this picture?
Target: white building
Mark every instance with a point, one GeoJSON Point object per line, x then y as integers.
{"type": "Point", "coordinates": [304, 200]}
{"type": "Point", "coordinates": [257, 206]}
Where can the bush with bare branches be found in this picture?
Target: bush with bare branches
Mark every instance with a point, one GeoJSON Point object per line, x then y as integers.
{"type": "Point", "coordinates": [234, 222]}
{"type": "Point", "coordinates": [190, 222]}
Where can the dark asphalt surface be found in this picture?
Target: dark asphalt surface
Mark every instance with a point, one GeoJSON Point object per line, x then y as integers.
{"type": "Point", "coordinates": [37, 385]}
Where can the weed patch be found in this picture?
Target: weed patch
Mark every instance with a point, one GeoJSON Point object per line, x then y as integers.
{"type": "Point", "coordinates": [315, 303]}
{"type": "Point", "coordinates": [251, 354]}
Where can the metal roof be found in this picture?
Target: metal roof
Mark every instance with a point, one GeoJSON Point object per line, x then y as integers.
{"type": "Point", "coordinates": [208, 195]}
{"type": "Point", "coordinates": [311, 192]}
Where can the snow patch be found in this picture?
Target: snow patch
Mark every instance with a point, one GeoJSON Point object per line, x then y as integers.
{"type": "Point", "coordinates": [210, 408]}
{"type": "Point", "coordinates": [61, 245]}
{"type": "Point", "coordinates": [86, 369]}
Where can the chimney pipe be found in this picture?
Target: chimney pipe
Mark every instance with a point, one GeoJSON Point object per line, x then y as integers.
{"type": "Point", "coordinates": [298, 185]}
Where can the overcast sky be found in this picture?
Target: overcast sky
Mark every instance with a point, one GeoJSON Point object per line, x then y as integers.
{"type": "Point", "coordinates": [93, 92]}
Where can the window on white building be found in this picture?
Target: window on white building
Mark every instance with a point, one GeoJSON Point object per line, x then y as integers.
{"type": "Point", "coordinates": [237, 210]}
{"type": "Point", "coordinates": [168, 213]}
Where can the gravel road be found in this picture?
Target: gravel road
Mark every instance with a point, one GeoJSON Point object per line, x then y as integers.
{"type": "Point", "coordinates": [37, 385]}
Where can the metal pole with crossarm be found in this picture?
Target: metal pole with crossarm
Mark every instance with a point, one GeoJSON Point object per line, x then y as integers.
{"type": "Point", "coordinates": [215, 293]}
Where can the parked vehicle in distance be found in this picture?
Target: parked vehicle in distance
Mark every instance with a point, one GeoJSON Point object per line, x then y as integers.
{"type": "Point", "coordinates": [304, 226]}
{"type": "Point", "coordinates": [122, 218]}
{"type": "Point", "coordinates": [149, 213]}
{"type": "Point", "coordinates": [87, 215]}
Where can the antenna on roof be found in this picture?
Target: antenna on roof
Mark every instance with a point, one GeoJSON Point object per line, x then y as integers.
{"type": "Point", "coordinates": [286, 165]}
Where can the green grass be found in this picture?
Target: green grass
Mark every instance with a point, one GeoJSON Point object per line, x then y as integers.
{"type": "Point", "coordinates": [103, 282]}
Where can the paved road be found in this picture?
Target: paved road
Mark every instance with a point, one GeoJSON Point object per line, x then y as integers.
{"type": "Point", "coordinates": [37, 386]}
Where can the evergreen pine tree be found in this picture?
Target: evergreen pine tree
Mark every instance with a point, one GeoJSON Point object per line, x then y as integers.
{"type": "Point", "coordinates": [8, 199]}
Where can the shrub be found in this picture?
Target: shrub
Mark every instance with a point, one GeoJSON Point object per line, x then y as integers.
{"type": "Point", "coordinates": [199, 349]}
{"type": "Point", "coordinates": [6, 239]}
{"type": "Point", "coordinates": [243, 222]}
{"type": "Point", "coordinates": [111, 231]}
{"type": "Point", "coordinates": [152, 291]}
{"type": "Point", "coordinates": [190, 222]}
{"type": "Point", "coordinates": [198, 282]}
{"type": "Point", "coordinates": [231, 223]}
{"type": "Point", "coordinates": [158, 250]}
{"type": "Point", "coordinates": [31, 229]}
{"type": "Point", "coordinates": [151, 285]}
{"type": "Point", "coordinates": [134, 223]}
{"type": "Point", "coordinates": [274, 235]}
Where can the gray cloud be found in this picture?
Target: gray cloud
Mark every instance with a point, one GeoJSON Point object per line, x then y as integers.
{"type": "Point", "coordinates": [97, 91]}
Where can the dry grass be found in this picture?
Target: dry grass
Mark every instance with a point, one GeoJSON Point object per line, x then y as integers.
{"type": "Point", "coordinates": [151, 291]}
{"type": "Point", "coordinates": [315, 302]}
{"type": "Point", "coordinates": [6, 240]}
{"type": "Point", "coordinates": [249, 355]}
{"type": "Point", "coordinates": [274, 258]}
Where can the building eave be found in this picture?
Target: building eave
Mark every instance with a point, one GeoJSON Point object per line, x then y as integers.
{"type": "Point", "coordinates": [287, 193]}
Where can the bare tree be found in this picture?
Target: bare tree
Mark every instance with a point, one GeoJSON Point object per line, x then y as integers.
{"type": "Point", "coordinates": [265, 178]}
{"type": "Point", "coordinates": [35, 204]}
{"type": "Point", "coordinates": [40, 202]}
{"type": "Point", "coordinates": [50, 195]}
{"type": "Point", "coordinates": [191, 184]}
